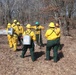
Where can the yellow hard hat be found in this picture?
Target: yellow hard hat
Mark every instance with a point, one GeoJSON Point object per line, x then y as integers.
{"type": "Point", "coordinates": [14, 20]}
{"type": "Point", "coordinates": [51, 24]}
{"type": "Point", "coordinates": [57, 24]}
{"type": "Point", "coordinates": [18, 23]}
{"type": "Point", "coordinates": [9, 24]}
{"type": "Point", "coordinates": [28, 26]}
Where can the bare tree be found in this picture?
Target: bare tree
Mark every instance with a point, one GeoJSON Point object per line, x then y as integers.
{"type": "Point", "coordinates": [62, 12]}
{"type": "Point", "coordinates": [44, 11]}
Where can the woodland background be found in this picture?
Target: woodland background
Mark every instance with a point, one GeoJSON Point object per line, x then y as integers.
{"type": "Point", "coordinates": [44, 11]}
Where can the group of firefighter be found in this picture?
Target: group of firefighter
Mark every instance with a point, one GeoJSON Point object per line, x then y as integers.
{"type": "Point", "coordinates": [31, 36]}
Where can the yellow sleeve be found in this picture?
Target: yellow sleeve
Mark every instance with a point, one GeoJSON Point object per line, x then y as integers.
{"type": "Point", "coordinates": [23, 33]}
{"type": "Point", "coordinates": [33, 36]}
{"type": "Point", "coordinates": [22, 30]}
{"type": "Point", "coordinates": [33, 27]}
{"type": "Point", "coordinates": [57, 31]}
{"type": "Point", "coordinates": [41, 27]}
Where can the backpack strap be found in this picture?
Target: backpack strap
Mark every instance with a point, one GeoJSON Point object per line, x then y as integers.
{"type": "Point", "coordinates": [52, 32]}
{"type": "Point", "coordinates": [28, 33]}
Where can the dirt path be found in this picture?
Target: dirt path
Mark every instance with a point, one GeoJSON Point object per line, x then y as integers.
{"type": "Point", "coordinates": [12, 64]}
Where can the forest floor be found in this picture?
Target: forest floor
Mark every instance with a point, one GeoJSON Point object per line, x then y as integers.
{"type": "Point", "coordinates": [12, 64]}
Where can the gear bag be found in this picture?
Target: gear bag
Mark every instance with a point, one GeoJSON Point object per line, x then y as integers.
{"type": "Point", "coordinates": [27, 39]}
{"type": "Point", "coordinates": [10, 31]}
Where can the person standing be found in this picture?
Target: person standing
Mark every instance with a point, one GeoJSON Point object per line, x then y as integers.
{"type": "Point", "coordinates": [15, 36]}
{"type": "Point", "coordinates": [52, 41]}
{"type": "Point", "coordinates": [12, 38]}
{"type": "Point", "coordinates": [26, 44]}
{"type": "Point", "coordinates": [9, 37]}
{"type": "Point", "coordinates": [19, 31]}
{"type": "Point", "coordinates": [38, 33]}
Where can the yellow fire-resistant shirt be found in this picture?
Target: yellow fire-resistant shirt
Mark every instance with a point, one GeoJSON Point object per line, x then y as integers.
{"type": "Point", "coordinates": [51, 34]}
{"type": "Point", "coordinates": [30, 33]}
{"type": "Point", "coordinates": [37, 29]}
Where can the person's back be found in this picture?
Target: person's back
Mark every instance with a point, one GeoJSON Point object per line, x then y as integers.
{"type": "Point", "coordinates": [52, 41]}
{"type": "Point", "coordinates": [9, 37]}
{"type": "Point", "coordinates": [29, 32]}
{"type": "Point", "coordinates": [14, 26]}
{"type": "Point", "coordinates": [51, 34]}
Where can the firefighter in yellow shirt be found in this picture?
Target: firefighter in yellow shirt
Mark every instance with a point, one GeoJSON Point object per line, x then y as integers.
{"type": "Point", "coordinates": [52, 41]}
{"type": "Point", "coordinates": [19, 31]}
{"type": "Point", "coordinates": [14, 26]}
{"type": "Point", "coordinates": [9, 36]}
{"type": "Point", "coordinates": [38, 34]}
{"type": "Point", "coordinates": [29, 32]}
{"type": "Point", "coordinates": [14, 37]}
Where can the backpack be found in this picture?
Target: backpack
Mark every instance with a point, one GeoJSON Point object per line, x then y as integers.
{"type": "Point", "coordinates": [27, 39]}
{"type": "Point", "coordinates": [10, 31]}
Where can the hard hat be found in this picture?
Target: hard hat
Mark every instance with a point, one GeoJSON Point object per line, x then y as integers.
{"type": "Point", "coordinates": [28, 26]}
{"type": "Point", "coordinates": [9, 24]}
{"type": "Point", "coordinates": [57, 24]}
{"type": "Point", "coordinates": [18, 23]}
{"type": "Point", "coordinates": [51, 24]}
{"type": "Point", "coordinates": [14, 20]}
{"type": "Point", "coordinates": [37, 23]}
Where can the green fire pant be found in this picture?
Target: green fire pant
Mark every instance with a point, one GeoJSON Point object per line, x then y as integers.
{"type": "Point", "coordinates": [52, 44]}
{"type": "Point", "coordinates": [31, 47]}
{"type": "Point", "coordinates": [39, 39]}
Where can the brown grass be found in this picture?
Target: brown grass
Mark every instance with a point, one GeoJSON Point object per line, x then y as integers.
{"type": "Point", "coordinates": [12, 64]}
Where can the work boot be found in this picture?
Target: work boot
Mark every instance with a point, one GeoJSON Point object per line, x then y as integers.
{"type": "Point", "coordinates": [21, 56]}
